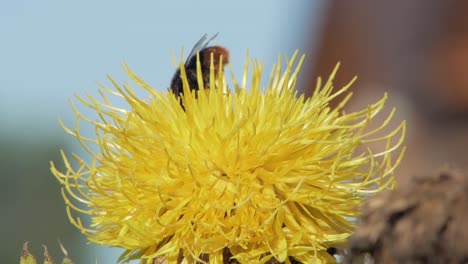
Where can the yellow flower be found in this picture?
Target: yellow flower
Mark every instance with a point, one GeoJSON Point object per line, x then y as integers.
{"type": "Point", "coordinates": [259, 174]}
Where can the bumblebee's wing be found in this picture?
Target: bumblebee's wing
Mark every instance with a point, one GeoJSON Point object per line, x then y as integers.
{"type": "Point", "coordinates": [201, 44]}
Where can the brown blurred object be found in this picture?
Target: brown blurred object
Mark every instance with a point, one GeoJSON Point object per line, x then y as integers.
{"type": "Point", "coordinates": [423, 222]}
{"type": "Point", "coordinates": [449, 67]}
{"type": "Point", "coordinates": [415, 50]}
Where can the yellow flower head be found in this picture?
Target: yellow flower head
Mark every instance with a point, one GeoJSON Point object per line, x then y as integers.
{"type": "Point", "coordinates": [249, 173]}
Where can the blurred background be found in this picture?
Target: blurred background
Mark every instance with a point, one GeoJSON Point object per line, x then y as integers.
{"type": "Point", "coordinates": [417, 51]}
{"type": "Point", "coordinates": [51, 50]}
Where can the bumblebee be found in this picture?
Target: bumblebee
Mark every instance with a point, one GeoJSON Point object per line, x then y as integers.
{"type": "Point", "coordinates": [204, 51]}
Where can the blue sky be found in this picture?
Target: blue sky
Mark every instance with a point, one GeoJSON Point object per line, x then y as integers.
{"type": "Point", "coordinates": [51, 49]}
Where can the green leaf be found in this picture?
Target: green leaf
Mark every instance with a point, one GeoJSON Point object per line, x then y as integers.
{"type": "Point", "coordinates": [47, 258]}
{"type": "Point", "coordinates": [66, 259]}
{"type": "Point", "coordinates": [26, 257]}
